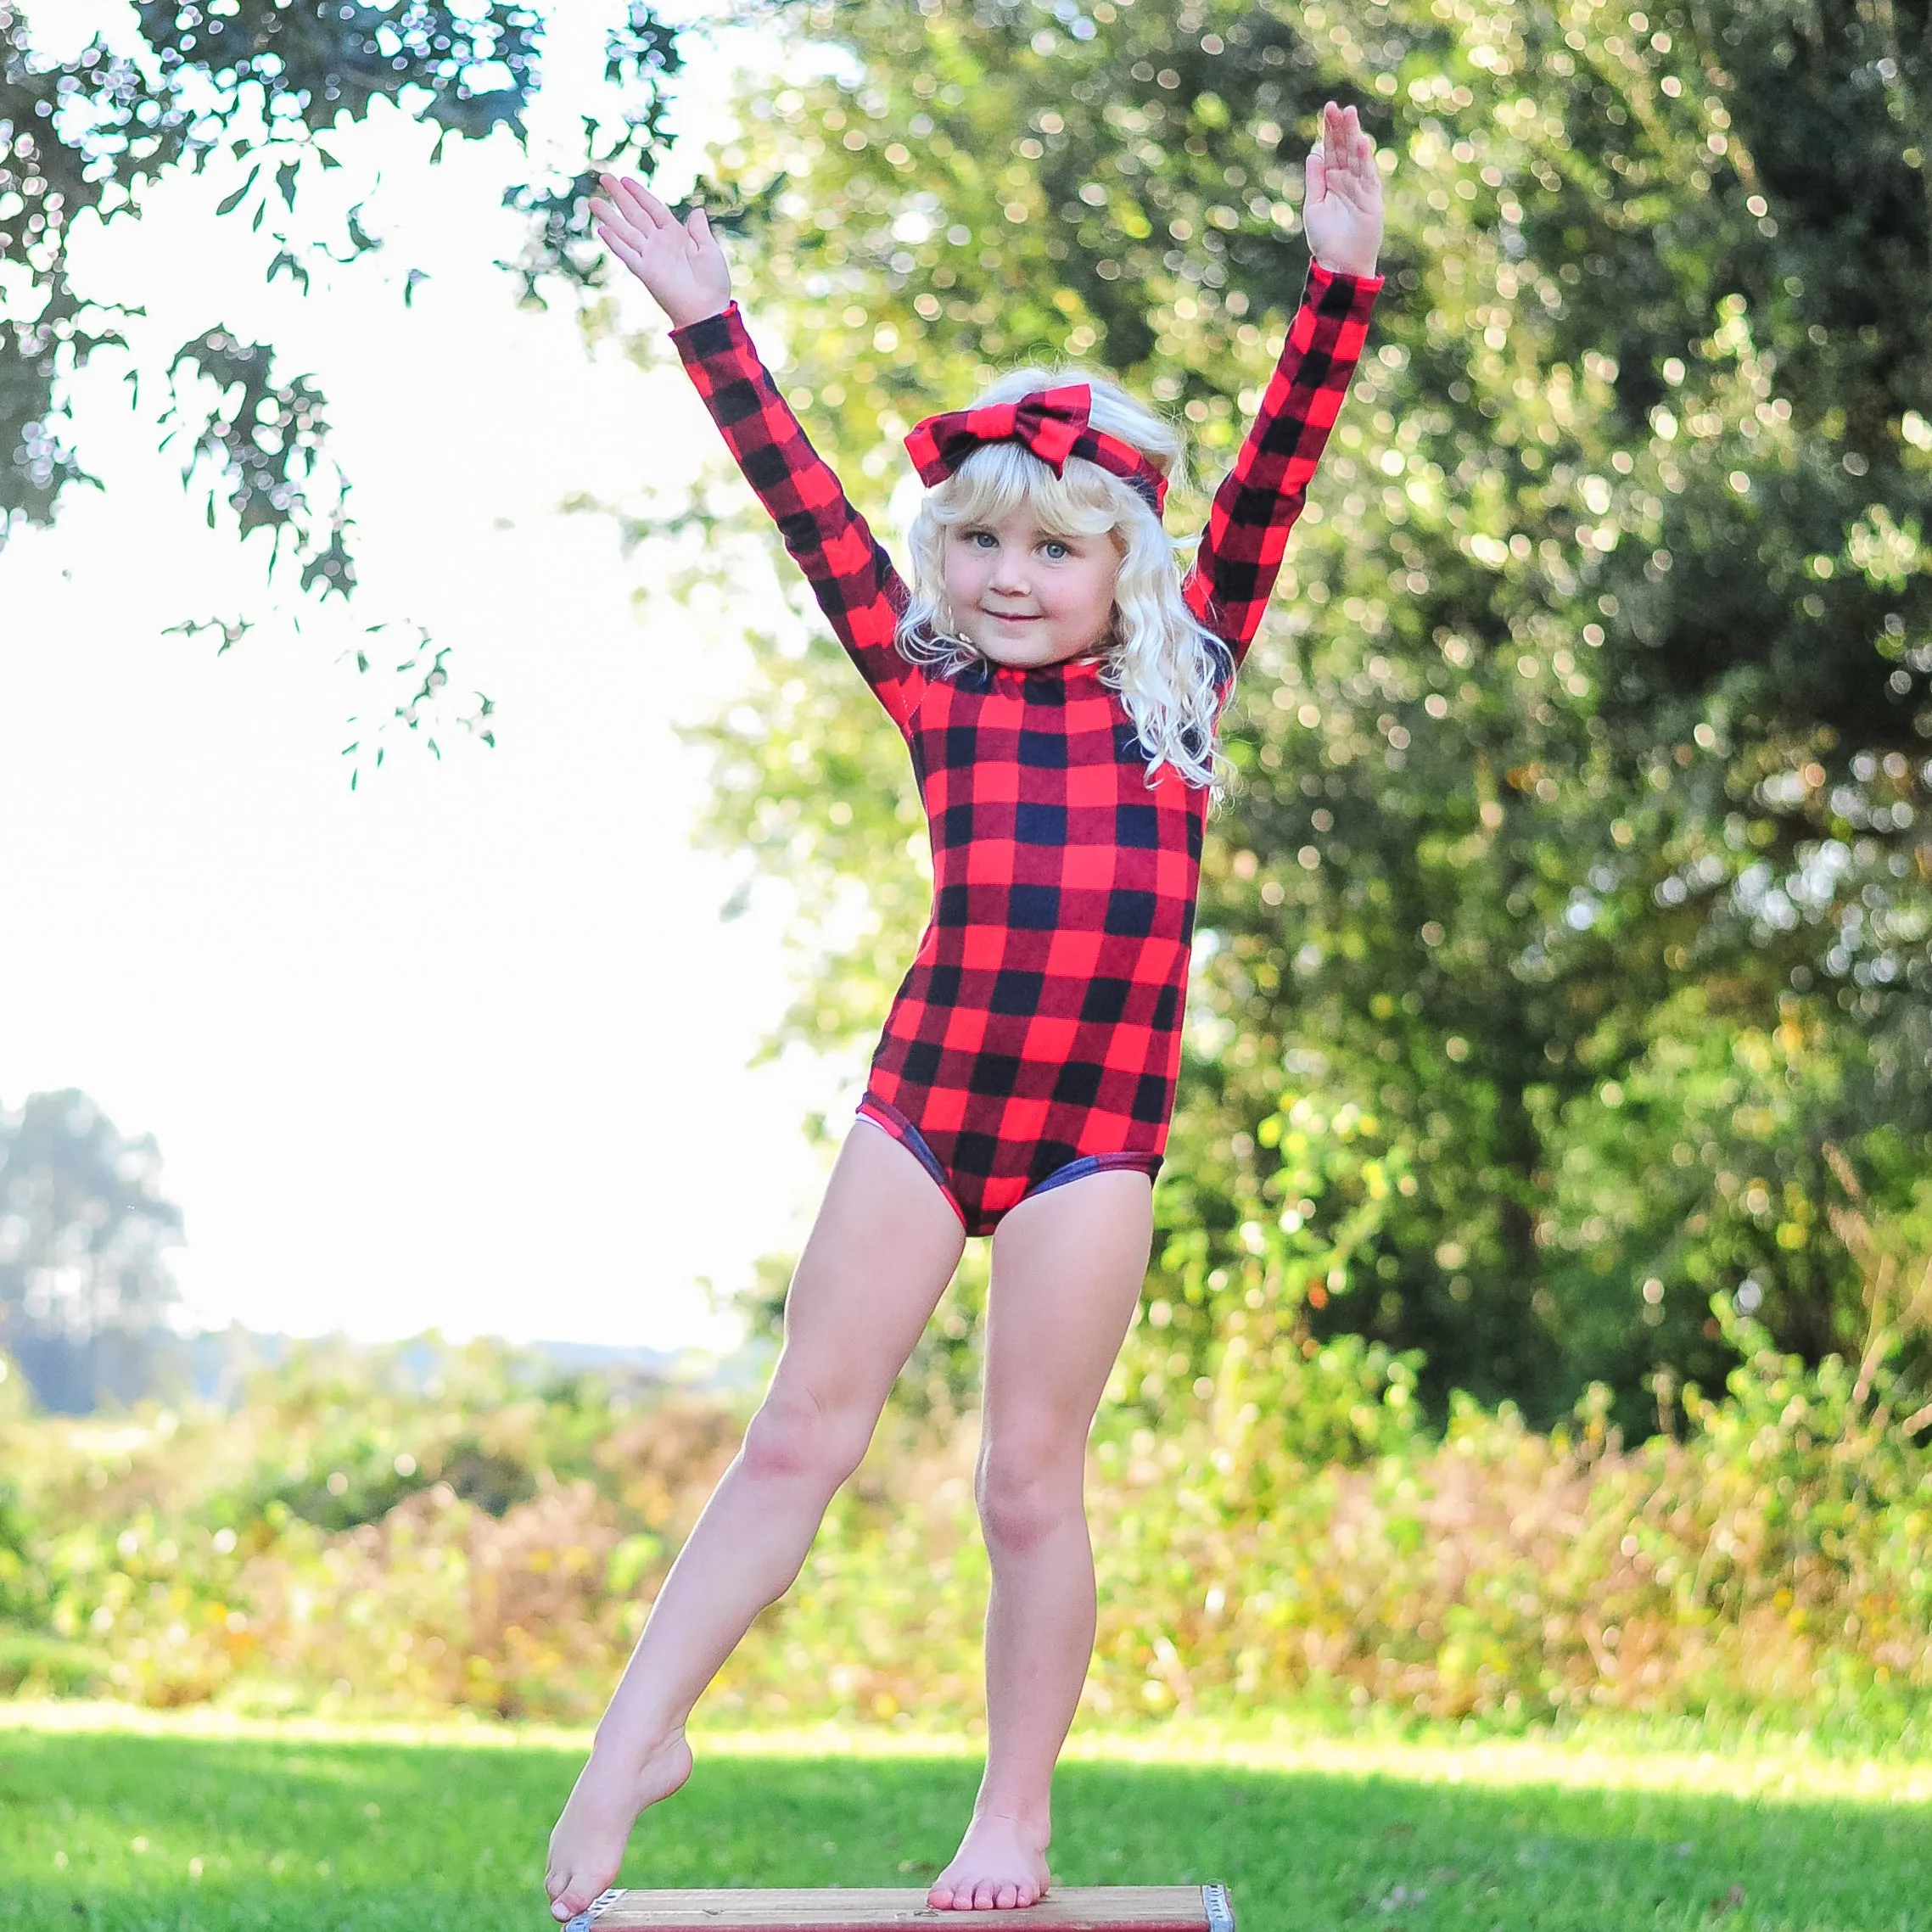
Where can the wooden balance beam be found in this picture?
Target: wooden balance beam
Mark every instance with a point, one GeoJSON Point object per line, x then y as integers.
{"type": "Point", "coordinates": [838, 1908]}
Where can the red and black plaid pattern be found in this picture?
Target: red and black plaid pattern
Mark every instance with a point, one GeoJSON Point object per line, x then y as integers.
{"type": "Point", "coordinates": [1052, 423]}
{"type": "Point", "coordinates": [850, 573]}
{"type": "Point", "coordinates": [1036, 1034]}
{"type": "Point", "coordinates": [1262, 495]}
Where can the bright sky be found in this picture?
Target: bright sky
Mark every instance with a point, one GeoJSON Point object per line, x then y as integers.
{"type": "Point", "coordinates": [466, 1047]}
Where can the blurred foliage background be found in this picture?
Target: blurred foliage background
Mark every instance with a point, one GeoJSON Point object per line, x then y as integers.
{"type": "Point", "coordinates": [1542, 1314]}
{"type": "Point", "coordinates": [408, 1532]}
{"type": "Point", "coordinates": [1571, 908]}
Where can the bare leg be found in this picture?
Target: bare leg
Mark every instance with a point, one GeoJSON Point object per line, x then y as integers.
{"type": "Point", "coordinates": [1067, 1268]}
{"type": "Point", "coordinates": [880, 1255]}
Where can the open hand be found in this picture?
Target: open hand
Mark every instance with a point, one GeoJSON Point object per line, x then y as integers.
{"type": "Point", "coordinates": [680, 262]}
{"type": "Point", "coordinates": [1343, 216]}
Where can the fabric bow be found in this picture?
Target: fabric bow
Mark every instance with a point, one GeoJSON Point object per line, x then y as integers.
{"type": "Point", "coordinates": [1052, 423]}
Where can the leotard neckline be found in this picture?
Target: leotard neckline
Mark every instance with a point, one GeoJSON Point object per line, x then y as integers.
{"type": "Point", "coordinates": [1086, 667]}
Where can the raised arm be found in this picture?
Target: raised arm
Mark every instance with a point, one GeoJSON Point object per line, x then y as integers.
{"type": "Point", "coordinates": [1254, 510]}
{"type": "Point", "coordinates": [1256, 507]}
{"type": "Point", "coordinates": [852, 577]}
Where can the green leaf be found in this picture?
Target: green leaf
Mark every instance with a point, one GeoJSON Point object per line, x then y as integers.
{"type": "Point", "coordinates": [296, 272]}
{"type": "Point", "coordinates": [229, 203]}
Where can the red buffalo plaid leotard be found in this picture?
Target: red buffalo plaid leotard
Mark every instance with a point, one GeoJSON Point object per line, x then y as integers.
{"type": "Point", "coordinates": [1036, 1038]}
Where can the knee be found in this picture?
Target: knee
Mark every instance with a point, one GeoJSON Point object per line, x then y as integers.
{"type": "Point", "coordinates": [795, 1435]}
{"type": "Point", "coordinates": [1024, 1501]}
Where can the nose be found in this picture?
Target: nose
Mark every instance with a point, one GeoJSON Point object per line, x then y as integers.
{"type": "Point", "coordinates": [1009, 575]}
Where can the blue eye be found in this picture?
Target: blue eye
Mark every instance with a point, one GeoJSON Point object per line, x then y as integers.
{"type": "Point", "coordinates": [1055, 549]}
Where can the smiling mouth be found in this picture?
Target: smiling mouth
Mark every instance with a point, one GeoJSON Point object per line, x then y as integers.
{"type": "Point", "coordinates": [1014, 616]}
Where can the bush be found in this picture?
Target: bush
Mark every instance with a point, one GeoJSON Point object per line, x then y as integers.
{"type": "Point", "coordinates": [1291, 1530]}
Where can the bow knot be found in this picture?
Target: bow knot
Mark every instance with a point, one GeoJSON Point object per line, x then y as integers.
{"type": "Point", "coordinates": [1053, 424]}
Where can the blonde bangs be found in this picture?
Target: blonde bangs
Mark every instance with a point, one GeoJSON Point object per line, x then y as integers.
{"type": "Point", "coordinates": [998, 478]}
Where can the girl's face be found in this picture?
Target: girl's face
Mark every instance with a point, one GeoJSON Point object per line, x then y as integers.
{"type": "Point", "coordinates": [1026, 597]}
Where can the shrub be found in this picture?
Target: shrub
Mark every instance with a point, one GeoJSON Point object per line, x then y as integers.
{"type": "Point", "coordinates": [1292, 1530]}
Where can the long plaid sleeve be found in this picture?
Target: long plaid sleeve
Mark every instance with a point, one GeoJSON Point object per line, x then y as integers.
{"type": "Point", "coordinates": [850, 575]}
{"type": "Point", "coordinates": [1257, 505]}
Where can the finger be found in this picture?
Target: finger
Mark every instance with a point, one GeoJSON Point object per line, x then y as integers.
{"type": "Point", "coordinates": [1316, 171]}
{"type": "Point", "coordinates": [698, 227]}
{"type": "Point", "coordinates": [642, 206]}
{"type": "Point", "coordinates": [1346, 149]}
{"type": "Point", "coordinates": [659, 213]}
{"type": "Point", "coordinates": [623, 250]}
{"type": "Point", "coordinates": [613, 216]}
{"type": "Point", "coordinates": [1362, 142]}
{"type": "Point", "coordinates": [1371, 176]}
{"type": "Point", "coordinates": [1341, 157]}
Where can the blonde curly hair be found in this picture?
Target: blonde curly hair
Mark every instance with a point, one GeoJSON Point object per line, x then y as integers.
{"type": "Point", "coordinates": [1171, 670]}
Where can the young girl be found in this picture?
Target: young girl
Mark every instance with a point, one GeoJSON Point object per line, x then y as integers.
{"type": "Point", "coordinates": [1057, 686]}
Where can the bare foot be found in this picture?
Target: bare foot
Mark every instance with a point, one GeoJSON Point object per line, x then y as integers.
{"type": "Point", "coordinates": [999, 1864]}
{"type": "Point", "coordinates": [586, 1846]}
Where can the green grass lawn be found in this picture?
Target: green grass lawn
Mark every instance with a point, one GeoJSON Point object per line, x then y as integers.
{"type": "Point", "coordinates": [169, 1828]}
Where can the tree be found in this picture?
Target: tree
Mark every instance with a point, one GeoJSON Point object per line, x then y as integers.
{"type": "Point", "coordinates": [85, 1230]}
{"type": "Point", "coordinates": [88, 133]}
{"type": "Point", "coordinates": [1579, 769]}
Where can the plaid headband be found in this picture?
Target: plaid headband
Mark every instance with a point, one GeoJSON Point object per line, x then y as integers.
{"type": "Point", "coordinates": [1052, 423]}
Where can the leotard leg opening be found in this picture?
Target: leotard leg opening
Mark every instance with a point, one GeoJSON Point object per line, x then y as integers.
{"type": "Point", "coordinates": [1147, 1164]}
{"type": "Point", "coordinates": [890, 1120]}
{"type": "Point", "coordinates": [968, 1201]}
